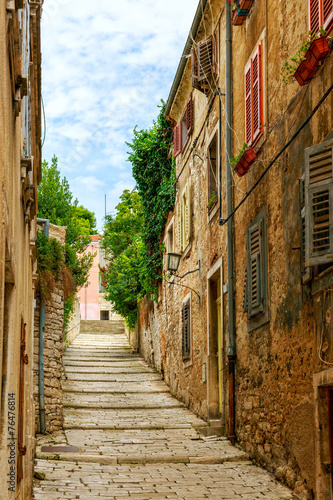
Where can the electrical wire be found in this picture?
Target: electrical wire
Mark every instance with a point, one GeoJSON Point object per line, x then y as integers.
{"type": "Point", "coordinates": [298, 131]}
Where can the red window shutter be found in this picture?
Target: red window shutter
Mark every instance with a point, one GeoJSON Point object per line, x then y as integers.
{"type": "Point", "coordinates": [194, 62]}
{"type": "Point", "coordinates": [256, 94]}
{"type": "Point", "coordinates": [189, 115]}
{"type": "Point", "coordinates": [248, 106]}
{"type": "Point", "coordinates": [327, 16]}
{"type": "Point", "coordinates": [177, 139]}
{"type": "Point", "coordinates": [314, 15]}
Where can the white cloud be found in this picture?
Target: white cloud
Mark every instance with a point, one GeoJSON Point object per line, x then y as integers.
{"type": "Point", "coordinates": [105, 70]}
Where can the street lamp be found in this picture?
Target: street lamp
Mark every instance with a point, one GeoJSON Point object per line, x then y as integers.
{"type": "Point", "coordinates": [173, 261]}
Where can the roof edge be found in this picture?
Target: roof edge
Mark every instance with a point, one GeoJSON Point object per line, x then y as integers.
{"type": "Point", "coordinates": [187, 50]}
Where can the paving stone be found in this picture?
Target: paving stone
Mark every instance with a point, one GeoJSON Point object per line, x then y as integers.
{"type": "Point", "coordinates": [135, 440]}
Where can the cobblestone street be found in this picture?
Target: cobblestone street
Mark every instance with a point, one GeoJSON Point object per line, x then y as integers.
{"type": "Point", "coordinates": [134, 439]}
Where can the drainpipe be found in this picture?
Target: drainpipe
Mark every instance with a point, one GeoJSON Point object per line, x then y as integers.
{"type": "Point", "coordinates": [229, 187]}
{"type": "Point", "coordinates": [41, 347]}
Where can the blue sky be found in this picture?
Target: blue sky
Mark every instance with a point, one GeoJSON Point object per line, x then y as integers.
{"type": "Point", "coordinates": [106, 66]}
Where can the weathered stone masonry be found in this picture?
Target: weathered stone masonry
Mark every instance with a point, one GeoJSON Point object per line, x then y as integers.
{"type": "Point", "coordinates": [53, 350]}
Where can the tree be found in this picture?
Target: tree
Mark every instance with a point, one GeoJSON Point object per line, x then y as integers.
{"type": "Point", "coordinates": [55, 202]}
{"type": "Point", "coordinates": [133, 236]}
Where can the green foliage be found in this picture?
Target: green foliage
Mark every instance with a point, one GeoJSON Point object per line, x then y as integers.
{"type": "Point", "coordinates": [292, 65]}
{"type": "Point", "coordinates": [120, 229]}
{"type": "Point", "coordinates": [212, 200]}
{"type": "Point", "coordinates": [133, 237]}
{"type": "Point", "coordinates": [50, 257]}
{"type": "Point", "coordinates": [56, 203]}
{"type": "Point", "coordinates": [233, 161]}
{"type": "Point", "coordinates": [154, 173]}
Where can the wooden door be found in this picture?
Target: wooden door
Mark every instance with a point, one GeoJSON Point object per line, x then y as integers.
{"type": "Point", "coordinates": [20, 440]}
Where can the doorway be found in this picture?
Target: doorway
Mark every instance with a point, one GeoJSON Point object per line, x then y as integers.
{"type": "Point", "coordinates": [215, 349]}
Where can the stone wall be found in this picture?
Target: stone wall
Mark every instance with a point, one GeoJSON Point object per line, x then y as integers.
{"type": "Point", "coordinates": [284, 366]}
{"type": "Point", "coordinates": [53, 350]}
{"type": "Point", "coordinates": [73, 328]}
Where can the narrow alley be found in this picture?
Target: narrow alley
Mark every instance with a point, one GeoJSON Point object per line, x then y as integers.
{"type": "Point", "coordinates": [125, 436]}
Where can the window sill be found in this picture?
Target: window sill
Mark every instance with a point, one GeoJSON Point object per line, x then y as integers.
{"type": "Point", "coordinates": [187, 363]}
{"type": "Point", "coordinates": [187, 251]}
{"type": "Point", "coordinates": [322, 281]}
{"type": "Point", "coordinates": [213, 211]}
{"type": "Point", "coordinates": [257, 321]}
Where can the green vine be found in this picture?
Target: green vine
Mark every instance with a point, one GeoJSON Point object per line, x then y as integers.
{"type": "Point", "coordinates": [292, 65]}
{"type": "Point", "coordinates": [155, 175]}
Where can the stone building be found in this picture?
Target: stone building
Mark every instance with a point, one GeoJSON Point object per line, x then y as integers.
{"type": "Point", "coordinates": [20, 172]}
{"type": "Point", "coordinates": [246, 338]}
{"type": "Point", "coordinates": [93, 304]}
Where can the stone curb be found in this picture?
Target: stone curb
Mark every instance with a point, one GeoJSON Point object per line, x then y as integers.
{"type": "Point", "coordinates": [135, 460]}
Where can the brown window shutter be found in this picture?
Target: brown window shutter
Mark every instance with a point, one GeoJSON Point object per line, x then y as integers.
{"type": "Point", "coordinates": [186, 339]}
{"type": "Point", "coordinates": [194, 63]}
{"type": "Point", "coordinates": [189, 115]}
{"type": "Point", "coordinates": [177, 139]}
{"type": "Point", "coordinates": [319, 204]}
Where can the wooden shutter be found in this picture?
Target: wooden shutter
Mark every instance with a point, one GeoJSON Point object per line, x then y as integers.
{"type": "Point", "coordinates": [248, 105]}
{"type": "Point", "coordinates": [253, 98]}
{"type": "Point", "coordinates": [327, 13]}
{"type": "Point", "coordinates": [194, 65]}
{"type": "Point", "coordinates": [180, 248]}
{"type": "Point", "coordinates": [314, 15]}
{"type": "Point", "coordinates": [177, 139]}
{"type": "Point", "coordinates": [320, 14]}
{"type": "Point", "coordinates": [306, 272]}
{"type": "Point", "coordinates": [187, 214]}
{"type": "Point", "coordinates": [257, 296]}
{"type": "Point", "coordinates": [256, 94]}
{"type": "Point", "coordinates": [186, 330]}
{"type": "Point", "coordinates": [319, 204]}
{"type": "Point", "coordinates": [216, 51]}
{"type": "Point", "coordinates": [189, 115]}
{"type": "Point", "coordinates": [205, 58]}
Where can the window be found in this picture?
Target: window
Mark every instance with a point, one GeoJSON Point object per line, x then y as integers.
{"type": "Point", "coordinates": [320, 14]}
{"type": "Point", "coordinates": [253, 98]}
{"type": "Point", "coordinates": [205, 60]}
{"type": "Point", "coordinates": [183, 129]}
{"type": "Point", "coordinates": [256, 289]}
{"type": "Point", "coordinates": [212, 174]}
{"type": "Point", "coordinates": [318, 203]}
{"type": "Point", "coordinates": [186, 329]}
{"type": "Point", "coordinates": [104, 315]}
{"type": "Point", "coordinates": [170, 239]}
{"type": "Point", "coordinates": [184, 221]}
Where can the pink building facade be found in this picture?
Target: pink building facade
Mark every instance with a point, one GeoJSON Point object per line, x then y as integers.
{"type": "Point", "coordinates": [93, 305]}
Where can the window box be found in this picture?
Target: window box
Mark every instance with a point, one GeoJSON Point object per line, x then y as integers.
{"type": "Point", "coordinates": [238, 16]}
{"type": "Point", "coordinates": [244, 164]}
{"type": "Point", "coordinates": [245, 4]}
{"type": "Point", "coordinates": [316, 53]}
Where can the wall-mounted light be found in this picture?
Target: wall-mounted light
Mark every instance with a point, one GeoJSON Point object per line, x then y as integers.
{"type": "Point", "coordinates": [173, 262]}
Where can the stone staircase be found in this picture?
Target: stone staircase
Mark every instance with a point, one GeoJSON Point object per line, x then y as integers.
{"type": "Point", "coordinates": [113, 327]}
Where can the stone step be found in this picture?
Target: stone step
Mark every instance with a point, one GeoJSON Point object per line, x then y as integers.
{"type": "Point", "coordinates": [158, 459]}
